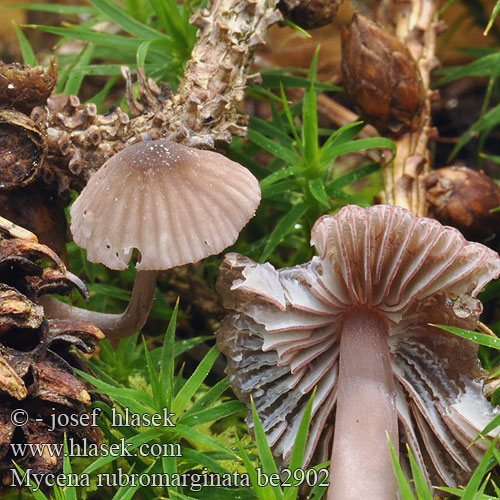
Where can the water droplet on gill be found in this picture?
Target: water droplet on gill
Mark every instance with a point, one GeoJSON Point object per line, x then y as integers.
{"type": "Point", "coordinates": [10, 86]}
{"type": "Point", "coordinates": [464, 306]}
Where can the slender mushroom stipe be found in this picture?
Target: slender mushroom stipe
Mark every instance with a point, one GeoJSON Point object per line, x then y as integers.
{"type": "Point", "coordinates": [363, 342]}
{"type": "Point", "coordinates": [175, 204]}
{"type": "Point", "coordinates": [354, 323]}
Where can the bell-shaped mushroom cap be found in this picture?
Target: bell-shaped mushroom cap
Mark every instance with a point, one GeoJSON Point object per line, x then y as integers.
{"type": "Point", "coordinates": [173, 203]}
{"type": "Point", "coordinates": [282, 339]}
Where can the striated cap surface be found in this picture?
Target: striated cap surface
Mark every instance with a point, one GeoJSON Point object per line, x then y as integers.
{"type": "Point", "coordinates": [175, 204]}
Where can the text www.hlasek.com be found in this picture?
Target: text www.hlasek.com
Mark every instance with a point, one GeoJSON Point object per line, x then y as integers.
{"type": "Point", "coordinates": [84, 448]}
{"type": "Point", "coordinates": [194, 480]}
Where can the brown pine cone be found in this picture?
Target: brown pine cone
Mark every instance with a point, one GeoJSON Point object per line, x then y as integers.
{"type": "Point", "coordinates": [381, 77]}
{"type": "Point", "coordinates": [309, 14]}
{"type": "Point", "coordinates": [464, 198]}
{"type": "Point", "coordinates": [23, 87]}
{"type": "Point", "coordinates": [37, 356]}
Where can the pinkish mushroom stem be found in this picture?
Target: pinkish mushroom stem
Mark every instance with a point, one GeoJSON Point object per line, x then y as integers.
{"type": "Point", "coordinates": [361, 465]}
{"type": "Point", "coordinates": [114, 326]}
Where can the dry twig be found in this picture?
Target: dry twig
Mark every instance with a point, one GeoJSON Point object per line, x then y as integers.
{"type": "Point", "coordinates": [416, 27]}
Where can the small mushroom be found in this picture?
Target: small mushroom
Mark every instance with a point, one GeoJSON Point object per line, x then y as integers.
{"type": "Point", "coordinates": [354, 323]}
{"type": "Point", "coordinates": [175, 204]}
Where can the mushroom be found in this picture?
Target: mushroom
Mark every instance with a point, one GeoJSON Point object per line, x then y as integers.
{"type": "Point", "coordinates": [354, 323]}
{"type": "Point", "coordinates": [175, 204]}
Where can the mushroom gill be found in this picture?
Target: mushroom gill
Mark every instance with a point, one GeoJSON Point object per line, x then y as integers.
{"type": "Point", "coordinates": [354, 322]}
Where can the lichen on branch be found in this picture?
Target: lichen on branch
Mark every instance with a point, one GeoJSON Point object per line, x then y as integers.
{"type": "Point", "coordinates": [205, 107]}
{"type": "Point", "coordinates": [203, 112]}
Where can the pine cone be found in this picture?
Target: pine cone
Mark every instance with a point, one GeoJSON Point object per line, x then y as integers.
{"type": "Point", "coordinates": [309, 14]}
{"type": "Point", "coordinates": [381, 77]}
{"type": "Point", "coordinates": [464, 198]}
{"type": "Point", "coordinates": [37, 355]}
{"type": "Point", "coordinates": [23, 87]}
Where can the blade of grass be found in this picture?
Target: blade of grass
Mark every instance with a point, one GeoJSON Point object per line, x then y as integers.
{"type": "Point", "coordinates": [491, 83]}
{"type": "Point", "coordinates": [280, 187]}
{"type": "Point", "coordinates": [193, 383]}
{"type": "Point", "coordinates": [288, 115]}
{"type": "Point", "coordinates": [259, 91]}
{"type": "Point", "coordinates": [199, 438]}
{"type": "Point", "coordinates": [421, 488]}
{"type": "Point", "coordinates": [493, 16]}
{"type": "Point", "coordinates": [99, 98]}
{"type": "Point", "coordinates": [297, 455]}
{"type": "Point", "coordinates": [168, 360]}
{"type": "Point", "coordinates": [168, 13]}
{"type": "Point", "coordinates": [309, 115]}
{"type": "Point", "coordinates": [33, 488]}
{"type": "Point", "coordinates": [489, 120]}
{"type": "Point", "coordinates": [262, 492]}
{"type": "Point", "coordinates": [130, 445]}
{"type": "Point", "coordinates": [169, 466]}
{"type": "Point", "coordinates": [341, 135]}
{"type": "Point", "coordinates": [131, 398]}
{"type": "Point", "coordinates": [478, 338]}
{"type": "Point", "coordinates": [74, 78]}
{"type": "Point", "coordinates": [222, 410]}
{"type": "Point", "coordinates": [493, 158]}
{"type": "Point", "coordinates": [56, 8]}
{"type": "Point", "coordinates": [474, 483]}
{"type": "Point", "coordinates": [491, 426]}
{"type": "Point", "coordinates": [284, 226]}
{"type": "Point", "coordinates": [69, 491]}
{"type": "Point", "coordinates": [154, 379]}
{"type": "Point", "coordinates": [211, 396]}
{"type": "Point", "coordinates": [127, 492]}
{"type": "Point", "coordinates": [203, 459]}
{"type": "Point", "coordinates": [116, 13]}
{"type": "Point", "coordinates": [272, 79]}
{"type": "Point", "coordinates": [340, 195]}
{"type": "Point", "coordinates": [186, 344]}
{"type": "Point", "coordinates": [497, 490]}
{"type": "Point", "coordinates": [481, 67]}
{"type": "Point", "coordinates": [116, 42]}
{"type": "Point", "coordinates": [278, 175]}
{"type": "Point", "coordinates": [271, 130]}
{"type": "Point", "coordinates": [26, 51]}
{"type": "Point", "coordinates": [297, 28]}
{"type": "Point", "coordinates": [323, 483]}
{"type": "Point", "coordinates": [357, 145]}
{"type": "Point", "coordinates": [403, 487]}
{"type": "Point", "coordinates": [276, 149]}
{"type": "Point", "coordinates": [317, 189]}
{"type": "Point", "coordinates": [265, 455]}
{"type": "Point", "coordinates": [353, 176]}
{"type": "Point", "coordinates": [142, 52]}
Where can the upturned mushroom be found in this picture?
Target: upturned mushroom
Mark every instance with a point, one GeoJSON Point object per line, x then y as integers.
{"type": "Point", "coordinates": [174, 204]}
{"type": "Point", "coordinates": [354, 323]}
